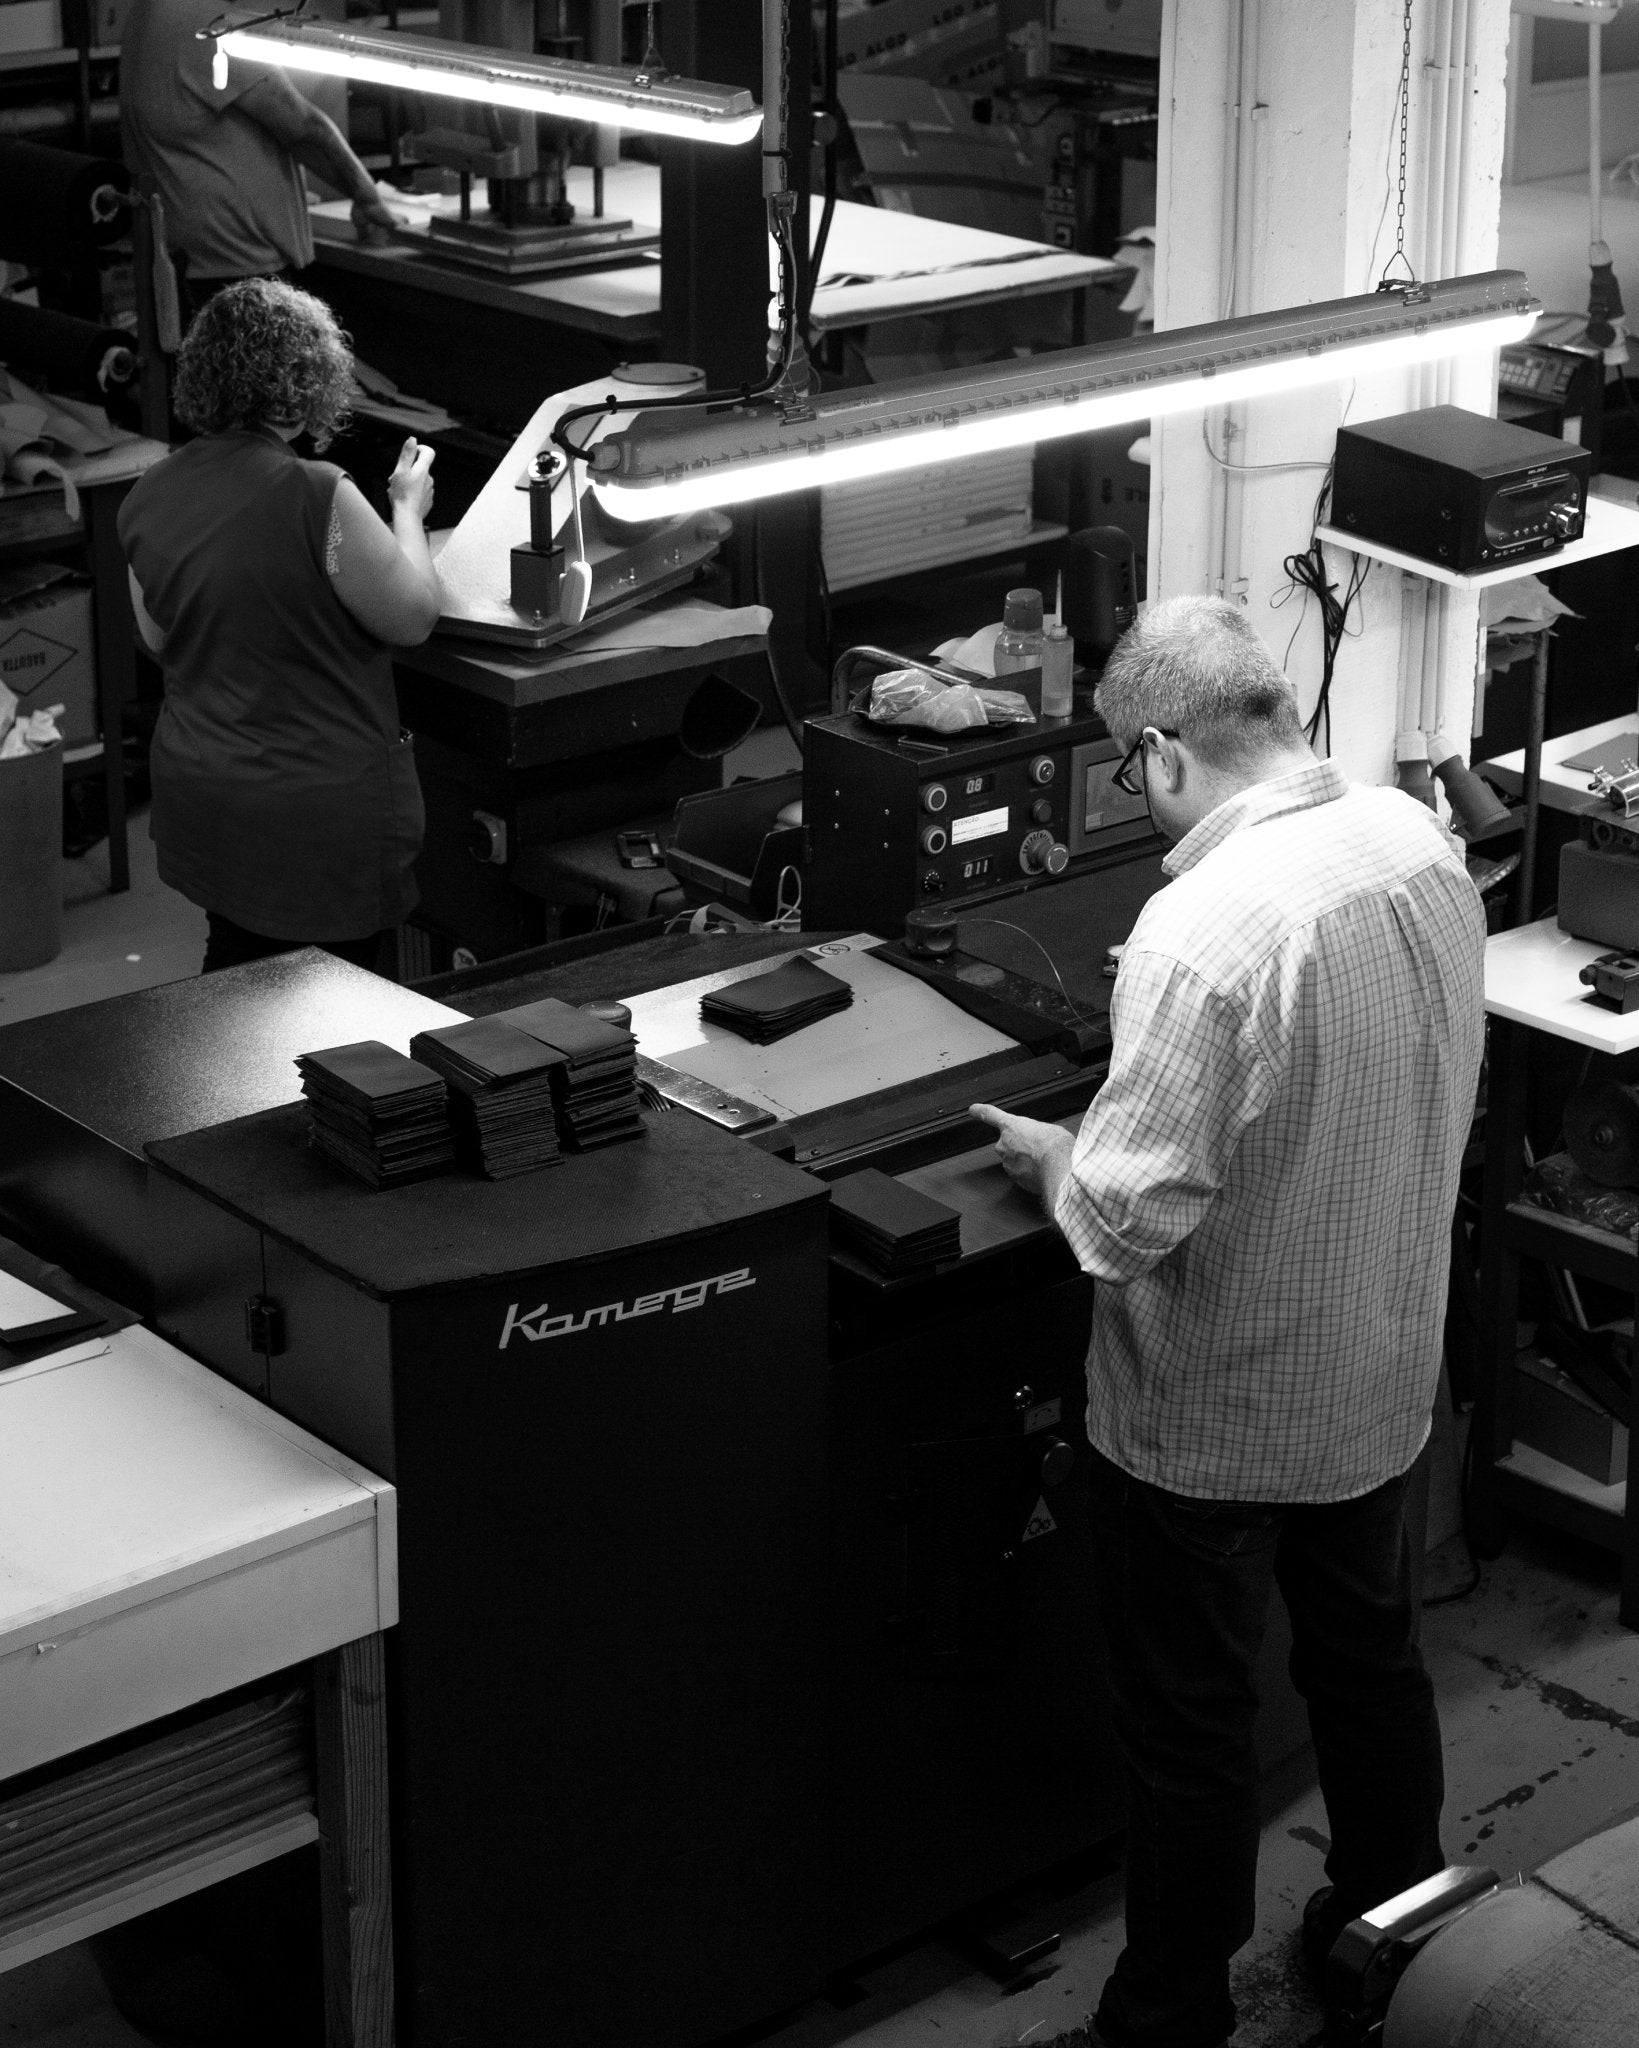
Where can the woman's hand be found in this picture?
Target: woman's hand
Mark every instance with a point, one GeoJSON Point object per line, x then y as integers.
{"type": "Point", "coordinates": [410, 487]}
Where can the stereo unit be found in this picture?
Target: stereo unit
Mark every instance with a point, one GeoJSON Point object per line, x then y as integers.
{"type": "Point", "coordinates": [1458, 489]}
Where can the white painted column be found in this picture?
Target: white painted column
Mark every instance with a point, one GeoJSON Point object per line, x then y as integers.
{"type": "Point", "coordinates": [1278, 174]}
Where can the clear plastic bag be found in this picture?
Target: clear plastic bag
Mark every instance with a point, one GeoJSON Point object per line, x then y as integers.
{"type": "Point", "coordinates": [909, 696]}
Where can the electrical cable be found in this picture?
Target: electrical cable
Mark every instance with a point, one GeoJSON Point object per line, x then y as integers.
{"type": "Point", "coordinates": [793, 724]}
{"type": "Point", "coordinates": [1001, 923]}
{"type": "Point", "coordinates": [1254, 468]}
{"type": "Point", "coordinates": [1308, 572]}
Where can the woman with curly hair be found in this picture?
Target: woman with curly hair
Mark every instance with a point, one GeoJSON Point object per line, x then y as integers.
{"type": "Point", "coordinates": [285, 799]}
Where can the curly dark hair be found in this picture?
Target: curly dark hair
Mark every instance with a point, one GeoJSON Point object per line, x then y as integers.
{"type": "Point", "coordinates": [263, 353]}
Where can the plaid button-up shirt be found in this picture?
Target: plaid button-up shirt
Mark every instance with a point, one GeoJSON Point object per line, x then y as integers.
{"type": "Point", "coordinates": [1264, 1186]}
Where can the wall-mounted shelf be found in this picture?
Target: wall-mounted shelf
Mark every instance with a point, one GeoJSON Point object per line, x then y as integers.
{"type": "Point", "coordinates": [1609, 527]}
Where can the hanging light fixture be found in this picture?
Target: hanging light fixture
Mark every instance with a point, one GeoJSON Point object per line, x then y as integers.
{"type": "Point", "coordinates": [681, 460]}
{"type": "Point", "coordinates": [617, 96]}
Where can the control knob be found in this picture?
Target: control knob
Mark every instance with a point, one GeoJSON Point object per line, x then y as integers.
{"type": "Point", "coordinates": [1057, 1462]}
{"type": "Point", "coordinates": [1042, 769]}
{"type": "Point", "coordinates": [1042, 810]}
{"type": "Point", "coordinates": [934, 840]}
{"type": "Point", "coordinates": [935, 796]}
{"type": "Point", "coordinates": [1562, 518]}
{"type": "Point", "coordinates": [1041, 854]}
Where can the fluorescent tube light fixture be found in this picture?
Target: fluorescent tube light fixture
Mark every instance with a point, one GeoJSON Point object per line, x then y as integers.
{"type": "Point", "coordinates": [614, 95]}
{"type": "Point", "coordinates": [681, 460]}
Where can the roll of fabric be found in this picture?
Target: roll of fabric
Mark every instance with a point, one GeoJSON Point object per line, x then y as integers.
{"type": "Point", "coordinates": [77, 358]}
{"type": "Point", "coordinates": [54, 202]}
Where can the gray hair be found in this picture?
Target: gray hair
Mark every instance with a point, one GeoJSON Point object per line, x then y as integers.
{"type": "Point", "coordinates": [1193, 665]}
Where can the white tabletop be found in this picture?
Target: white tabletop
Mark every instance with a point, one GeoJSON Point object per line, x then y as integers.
{"type": "Point", "coordinates": [1531, 978]}
{"type": "Point", "coordinates": [878, 264]}
{"type": "Point", "coordinates": [164, 1537]}
{"type": "Point", "coordinates": [1563, 789]}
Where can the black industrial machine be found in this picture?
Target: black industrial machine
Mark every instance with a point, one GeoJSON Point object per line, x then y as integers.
{"type": "Point", "coordinates": [1599, 869]}
{"type": "Point", "coordinates": [1457, 488]}
{"type": "Point", "coordinates": [728, 1646]}
{"type": "Point", "coordinates": [1556, 389]}
{"type": "Point", "coordinates": [899, 820]}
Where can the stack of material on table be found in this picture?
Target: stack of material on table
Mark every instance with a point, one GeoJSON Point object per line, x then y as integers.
{"type": "Point", "coordinates": [771, 1006]}
{"type": "Point", "coordinates": [595, 1087]}
{"type": "Point", "coordinates": [896, 1228]}
{"type": "Point", "coordinates": [380, 1115]}
{"type": "Point", "coordinates": [501, 1083]}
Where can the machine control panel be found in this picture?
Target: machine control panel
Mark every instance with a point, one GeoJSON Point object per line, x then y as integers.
{"type": "Point", "coordinates": [893, 826]}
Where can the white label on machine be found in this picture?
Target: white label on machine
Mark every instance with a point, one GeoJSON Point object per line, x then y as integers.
{"type": "Point", "coordinates": [982, 825]}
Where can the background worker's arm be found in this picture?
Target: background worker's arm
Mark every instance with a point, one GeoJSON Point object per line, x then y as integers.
{"type": "Point", "coordinates": [317, 144]}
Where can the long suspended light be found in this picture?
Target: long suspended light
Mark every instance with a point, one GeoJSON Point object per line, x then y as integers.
{"type": "Point", "coordinates": [673, 461]}
{"type": "Point", "coordinates": [614, 95]}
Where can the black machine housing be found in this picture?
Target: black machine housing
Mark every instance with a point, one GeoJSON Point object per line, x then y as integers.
{"type": "Point", "coordinates": [902, 820]}
{"type": "Point", "coordinates": [1454, 487]}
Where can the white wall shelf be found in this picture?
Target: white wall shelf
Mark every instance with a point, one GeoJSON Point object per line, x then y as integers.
{"type": "Point", "coordinates": [1610, 526]}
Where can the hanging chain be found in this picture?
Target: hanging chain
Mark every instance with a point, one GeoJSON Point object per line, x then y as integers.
{"type": "Point", "coordinates": [1399, 255]}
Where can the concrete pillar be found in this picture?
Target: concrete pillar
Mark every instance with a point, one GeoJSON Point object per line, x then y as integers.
{"type": "Point", "coordinates": [1278, 175]}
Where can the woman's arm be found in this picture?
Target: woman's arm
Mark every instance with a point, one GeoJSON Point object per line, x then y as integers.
{"type": "Point", "coordinates": [385, 575]}
{"type": "Point", "coordinates": [152, 637]}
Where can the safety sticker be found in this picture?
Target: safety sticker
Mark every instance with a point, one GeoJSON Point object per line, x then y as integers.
{"type": "Point", "coordinates": [1041, 1523]}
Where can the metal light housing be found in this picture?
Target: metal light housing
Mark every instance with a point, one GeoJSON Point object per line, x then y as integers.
{"type": "Point", "coordinates": [671, 461]}
{"type": "Point", "coordinates": [613, 95]}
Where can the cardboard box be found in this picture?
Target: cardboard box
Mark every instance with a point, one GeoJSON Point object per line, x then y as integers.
{"type": "Point", "coordinates": [46, 653]}
{"type": "Point", "coordinates": [31, 25]}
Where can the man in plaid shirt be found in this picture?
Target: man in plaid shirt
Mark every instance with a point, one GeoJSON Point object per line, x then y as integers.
{"type": "Point", "coordinates": [1263, 1190]}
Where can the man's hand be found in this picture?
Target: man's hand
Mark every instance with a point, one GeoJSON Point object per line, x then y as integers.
{"type": "Point", "coordinates": [1035, 1156]}
{"type": "Point", "coordinates": [373, 221]}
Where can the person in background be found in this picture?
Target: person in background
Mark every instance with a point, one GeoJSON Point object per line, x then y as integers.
{"type": "Point", "coordinates": [285, 798]}
{"type": "Point", "coordinates": [228, 159]}
{"type": "Point", "coordinates": [1263, 1191]}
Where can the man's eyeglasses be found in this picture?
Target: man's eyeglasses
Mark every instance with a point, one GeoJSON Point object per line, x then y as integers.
{"type": "Point", "coordinates": [1124, 778]}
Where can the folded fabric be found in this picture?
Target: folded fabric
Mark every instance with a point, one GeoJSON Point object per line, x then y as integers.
{"type": "Point", "coordinates": [898, 1229]}
{"type": "Point", "coordinates": [382, 1116]}
{"type": "Point", "coordinates": [595, 1089]}
{"type": "Point", "coordinates": [771, 1006]}
{"type": "Point", "coordinates": [502, 1101]}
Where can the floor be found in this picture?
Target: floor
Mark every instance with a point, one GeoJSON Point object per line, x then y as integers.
{"type": "Point", "coordinates": [1538, 1684]}
{"type": "Point", "coordinates": [1539, 1697]}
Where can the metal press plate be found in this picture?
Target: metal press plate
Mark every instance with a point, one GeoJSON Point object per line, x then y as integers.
{"type": "Point", "coordinates": [897, 1030]}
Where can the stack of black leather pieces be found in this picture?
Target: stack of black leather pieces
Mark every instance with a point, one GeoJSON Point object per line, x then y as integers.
{"type": "Point", "coordinates": [767, 1007]}
{"type": "Point", "coordinates": [895, 1228]}
{"type": "Point", "coordinates": [500, 1084]}
{"type": "Point", "coordinates": [383, 1117]}
{"type": "Point", "coordinates": [595, 1086]}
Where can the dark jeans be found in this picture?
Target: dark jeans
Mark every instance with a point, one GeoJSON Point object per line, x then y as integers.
{"type": "Point", "coordinates": [229, 945]}
{"type": "Point", "coordinates": [1183, 1589]}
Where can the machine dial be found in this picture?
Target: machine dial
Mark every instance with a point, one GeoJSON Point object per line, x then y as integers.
{"type": "Point", "coordinates": [932, 882]}
{"type": "Point", "coordinates": [934, 840]}
{"type": "Point", "coordinates": [1562, 518]}
{"type": "Point", "coordinates": [1043, 769]}
{"type": "Point", "coordinates": [935, 797]}
{"type": "Point", "coordinates": [1042, 810]}
{"type": "Point", "coordinates": [1041, 854]}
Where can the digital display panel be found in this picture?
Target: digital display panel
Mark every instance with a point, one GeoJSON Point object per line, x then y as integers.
{"type": "Point", "coordinates": [982, 825]}
{"type": "Point", "coordinates": [978, 785]}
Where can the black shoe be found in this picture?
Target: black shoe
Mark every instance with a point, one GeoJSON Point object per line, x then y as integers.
{"type": "Point", "coordinates": [1322, 1924]}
